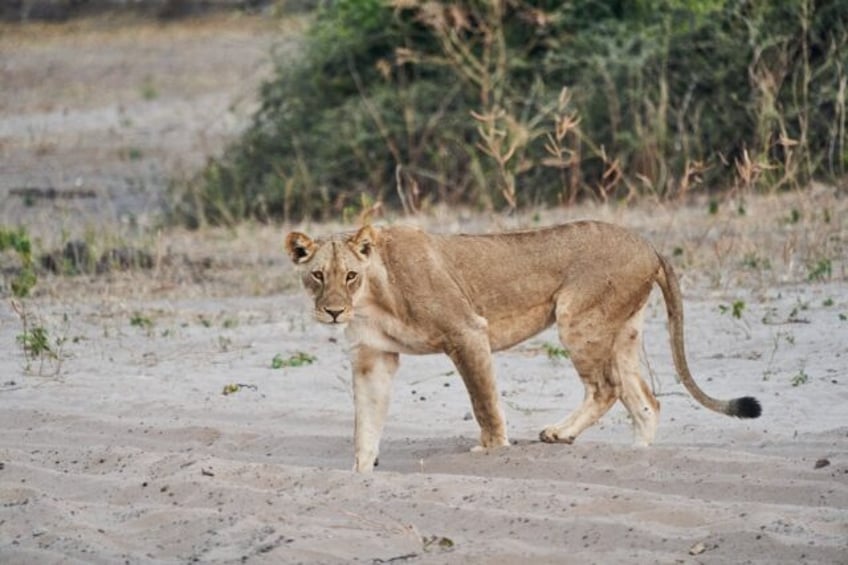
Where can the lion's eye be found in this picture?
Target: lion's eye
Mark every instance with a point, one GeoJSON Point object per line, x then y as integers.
{"type": "Point", "coordinates": [318, 276]}
{"type": "Point", "coordinates": [351, 275]}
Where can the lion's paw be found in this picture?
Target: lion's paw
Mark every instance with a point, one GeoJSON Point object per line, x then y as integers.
{"type": "Point", "coordinates": [490, 445]}
{"type": "Point", "coordinates": [551, 435]}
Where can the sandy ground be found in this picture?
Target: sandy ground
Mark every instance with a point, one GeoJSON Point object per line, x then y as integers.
{"type": "Point", "coordinates": [126, 448]}
{"type": "Point", "coordinates": [118, 107]}
{"type": "Point", "coordinates": [132, 453]}
{"type": "Point", "coordinates": [123, 448]}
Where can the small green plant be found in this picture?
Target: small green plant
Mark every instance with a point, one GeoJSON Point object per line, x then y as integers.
{"type": "Point", "coordinates": [297, 360]}
{"type": "Point", "coordinates": [821, 270]}
{"type": "Point", "coordinates": [738, 307]}
{"type": "Point", "coordinates": [786, 336]}
{"type": "Point", "coordinates": [38, 346]}
{"type": "Point", "coordinates": [436, 543]}
{"type": "Point", "coordinates": [36, 342]}
{"type": "Point", "coordinates": [755, 263]}
{"type": "Point", "coordinates": [19, 242]}
{"type": "Point", "coordinates": [22, 284]}
{"type": "Point", "coordinates": [735, 309]}
{"type": "Point", "coordinates": [139, 320]}
{"type": "Point", "coordinates": [794, 216]}
{"type": "Point", "coordinates": [555, 352]}
{"type": "Point", "coordinates": [827, 302]}
{"type": "Point", "coordinates": [800, 378]}
{"type": "Point", "coordinates": [233, 388]}
{"type": "Point", "coordinates": [795, 313]}
{"type": "Point", "coordinates": [826, 215]}
{"type": "Point", "coordinates": [713, 207]}
{"type": "Point", "coordinates": [148, 89]}
{"type": "Point", "coordinates": [130, 153]}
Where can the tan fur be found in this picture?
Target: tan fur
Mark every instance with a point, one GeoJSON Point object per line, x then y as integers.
{"type": "Point", "coordinates": [401, 290]}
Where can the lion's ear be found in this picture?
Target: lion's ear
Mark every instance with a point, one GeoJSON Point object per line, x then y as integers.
{"type": "Point", "coordinates": [300, 247]}
{"type": "Point", "coordinates": [362, 243]}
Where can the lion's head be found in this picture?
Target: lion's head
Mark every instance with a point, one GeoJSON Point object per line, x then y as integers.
{"type": "Point", "coordinates": [333, 271]}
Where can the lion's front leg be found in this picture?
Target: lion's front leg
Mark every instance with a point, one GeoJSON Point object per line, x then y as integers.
{"type": "Point", "coordinates": [372, 385]}
{"type": "Point", "coordinates": [472, 355]}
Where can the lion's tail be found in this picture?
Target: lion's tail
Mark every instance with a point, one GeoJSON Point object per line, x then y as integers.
{"type": "Point", "coordinates": [744, 407]}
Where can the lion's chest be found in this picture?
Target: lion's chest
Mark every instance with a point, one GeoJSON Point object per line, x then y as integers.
{"type": "Point", "coordinates": [378, 330]}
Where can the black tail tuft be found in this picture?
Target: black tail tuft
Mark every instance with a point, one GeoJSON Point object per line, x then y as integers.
{"type": "Point", "coordinates": [745, 407]}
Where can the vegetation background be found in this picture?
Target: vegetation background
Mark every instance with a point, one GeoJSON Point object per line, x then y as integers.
{"type": "Point", "coordinates": [415, 106]}
{"type": "Point", "coordinates": [511, 103]}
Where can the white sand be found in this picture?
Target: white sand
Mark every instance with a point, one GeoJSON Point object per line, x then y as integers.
{"type": "Point", "coordinates": [134, 454]}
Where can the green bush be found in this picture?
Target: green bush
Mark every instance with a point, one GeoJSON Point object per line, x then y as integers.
{"type": "Point", "coordinates": [463, 102]}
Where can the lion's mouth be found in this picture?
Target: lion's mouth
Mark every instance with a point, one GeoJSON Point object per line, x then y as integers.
{"type": "Point", "coordinates": [337, 319]}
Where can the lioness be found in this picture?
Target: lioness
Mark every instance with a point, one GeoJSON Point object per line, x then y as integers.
{"type": "Point", "coordinates": [401, 290]}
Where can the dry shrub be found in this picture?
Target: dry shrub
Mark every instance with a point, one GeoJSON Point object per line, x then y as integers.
{"type": "Point", "coordinates": [666, 98]}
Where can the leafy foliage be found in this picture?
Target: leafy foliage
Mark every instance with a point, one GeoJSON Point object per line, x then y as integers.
{"type": "Point", "coordinates": [36, 342]}
{"type": "Point", "coordinates": [522, 102]}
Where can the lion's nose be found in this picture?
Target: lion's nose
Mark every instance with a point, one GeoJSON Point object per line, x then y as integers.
{"type": "Point", "coordinates": [335, 313]}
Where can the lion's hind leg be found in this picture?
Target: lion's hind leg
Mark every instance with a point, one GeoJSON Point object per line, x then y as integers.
{"type": "Point", "coordinates": [591, 354]}
{"type": "Point", "coordinates": [599, 397]}
{"type": "Point", "coordinates": [636, 396]}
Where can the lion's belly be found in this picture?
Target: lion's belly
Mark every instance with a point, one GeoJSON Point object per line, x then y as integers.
{"type": "Point", "coordinates": [378, 330]}
{"type": "Point", "coordinates": [515, 328]}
